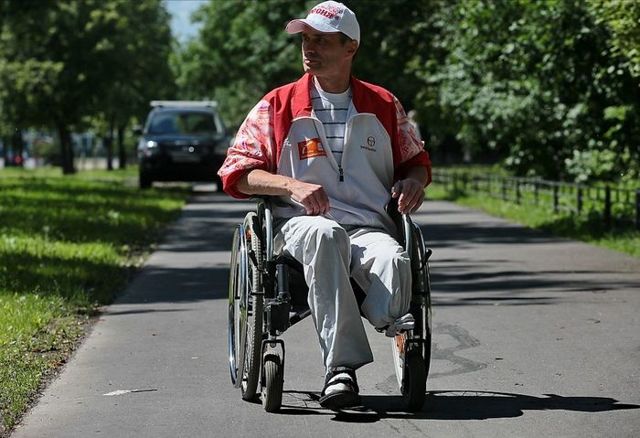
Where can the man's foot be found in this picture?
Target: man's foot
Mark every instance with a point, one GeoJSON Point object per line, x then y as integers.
{"type": "Point", "coordinates": [402, 324]}
{"type": "Point", "coordinates": [340, 389]}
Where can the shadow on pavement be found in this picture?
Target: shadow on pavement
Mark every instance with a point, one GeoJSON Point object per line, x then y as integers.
{"type": "Point", "coordinates": [504, 281]}
{"type": "Point", "coordinates": [177, 285]}
{"type": "Point", "coordinates": [209, 220]}
{"type": "Point", "coordinates": [481, 405]}
{"type": "Point", "coordinates": [466, 234]}
{"type": "Point", "coordinates": [450, 405]}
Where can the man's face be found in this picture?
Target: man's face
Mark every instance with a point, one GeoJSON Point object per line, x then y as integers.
{"type": "Point", "coordinates": [325, 54]}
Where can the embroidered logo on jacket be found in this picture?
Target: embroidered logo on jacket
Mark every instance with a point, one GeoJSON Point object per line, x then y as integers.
{"type": "Point", "coordinates": [311, 148]}
{"type": "Point", "coordinates": [371, 144]}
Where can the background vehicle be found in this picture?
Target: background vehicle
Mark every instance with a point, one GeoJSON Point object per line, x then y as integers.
{"type": "Point", "coordinates": [182, 141]}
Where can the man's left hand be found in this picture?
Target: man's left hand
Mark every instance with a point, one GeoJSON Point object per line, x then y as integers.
{"type": "Point", "coordinates": [410, 194]}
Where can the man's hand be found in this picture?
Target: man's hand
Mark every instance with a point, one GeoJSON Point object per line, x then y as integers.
{"type": "Point", "coordinates": [410, 194]}
{"type": "Point", "coordinates": [260, 182]}
{"type": "Point", "coordinates": [312, 197]}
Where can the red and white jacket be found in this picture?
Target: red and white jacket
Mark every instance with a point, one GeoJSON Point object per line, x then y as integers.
{"type": "Point", "coordinates": [281, 135]}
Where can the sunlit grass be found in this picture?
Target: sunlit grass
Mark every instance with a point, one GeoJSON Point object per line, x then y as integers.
{"type": "Point", "coordinates": [67, 245]}
{"type": "Point", "coordinates": [589, 228]}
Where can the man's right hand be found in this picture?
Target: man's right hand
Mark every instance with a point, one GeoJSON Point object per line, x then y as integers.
{"type": "Point", "coordinates": [312, 197]}
{"type": "Point", "coordinates": [260, 182]}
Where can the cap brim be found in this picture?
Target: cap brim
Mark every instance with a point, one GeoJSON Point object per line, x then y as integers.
{"type": "Point", "coordinates": [299, 24]}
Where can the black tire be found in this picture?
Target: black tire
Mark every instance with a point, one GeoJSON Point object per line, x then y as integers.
{"type": "Point", "coordinates": [415, 381]}
{"type": "Point", "coordinates": [251, 376]}
{"type": "Point", "coordinates": [422, 288]}
{"type": "Point", "coordinates": [218, 182]}
{"type": "Point", "coordinates": [273, 377]}
{"type": "Point", "coordinates": [253, 346]}
{"type": "Point", "coordinates": [144, 181]}
{"type": "Point", "coordinates": [426, 328]}
{"type": "Point", "coordinates": [235, 325]}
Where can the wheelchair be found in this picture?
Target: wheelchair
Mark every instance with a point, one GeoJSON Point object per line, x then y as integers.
{"type": "Point", "coordinates": [268, 294]}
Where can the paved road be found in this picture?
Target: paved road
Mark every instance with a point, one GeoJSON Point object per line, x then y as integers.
{"type": "Point", "coordinates": [534, 336]}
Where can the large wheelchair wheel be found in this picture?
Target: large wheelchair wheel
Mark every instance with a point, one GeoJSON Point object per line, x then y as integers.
{"type": "Point", "coordinates": [235, 331]}
{"type": "Point", "coordinates": [411, 371]}
{"type": "Point", "coordinates": [245, 308]}
{"type": "Point", "coordinates": [422, 297]}
{"type": "Point", "coordinates": [412, 350]}
{"type": "Point", "coordinates": [255, 311]}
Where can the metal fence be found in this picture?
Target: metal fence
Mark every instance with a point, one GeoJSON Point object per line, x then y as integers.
{"type": "Point", "coordinates": [613, 204]}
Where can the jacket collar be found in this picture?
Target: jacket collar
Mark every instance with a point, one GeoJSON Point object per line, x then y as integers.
{"type": "Point", "coordinates": [301, 99]}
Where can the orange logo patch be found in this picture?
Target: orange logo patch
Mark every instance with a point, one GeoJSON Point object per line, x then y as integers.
{"type": "Point", "coordinates": [311, 148]}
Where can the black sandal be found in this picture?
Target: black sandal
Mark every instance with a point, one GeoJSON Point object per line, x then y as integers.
{"type": "Point", "coordinates": [344, 398]}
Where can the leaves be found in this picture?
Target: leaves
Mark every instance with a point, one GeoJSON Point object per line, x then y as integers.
{"type": "Point", "coordinates": [523, 82]}
{"type": "Point", "coordinates": [65, 62]}
{"type": "Point", "coordinates": [530, 83]}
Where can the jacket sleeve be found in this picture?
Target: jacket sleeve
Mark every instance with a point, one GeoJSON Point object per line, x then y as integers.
{"type": "Point", "coordinates": [411, 147]}
{"type": "Point", "coordinates": [253, 148]}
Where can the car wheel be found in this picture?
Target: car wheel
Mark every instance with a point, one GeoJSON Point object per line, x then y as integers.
{"type": "Point", "coordinates": [145, 181]}
{"type": "Point", "coordinates": [218, 182]}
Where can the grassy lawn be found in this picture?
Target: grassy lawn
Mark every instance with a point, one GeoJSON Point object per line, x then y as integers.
{"type": "Point", "coordinates": [585, 228]}
{"type": "Point", "coordinates": [67, 245]}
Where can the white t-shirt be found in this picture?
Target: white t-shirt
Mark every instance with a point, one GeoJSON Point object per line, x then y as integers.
{"type": "Point", "coordinates": [332, 110]}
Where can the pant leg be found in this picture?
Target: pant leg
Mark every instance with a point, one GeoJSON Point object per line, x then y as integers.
{"type": "Point", "coordinates": [322, 246]}
{"type": "Point", "coordinates": [382, 268]}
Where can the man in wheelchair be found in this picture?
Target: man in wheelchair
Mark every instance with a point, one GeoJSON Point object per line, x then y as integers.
{"type": "Point", "coordinates": [332, 151]}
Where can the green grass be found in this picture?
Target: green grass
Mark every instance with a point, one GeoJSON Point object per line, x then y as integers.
{"type": "Point", "coordinates": [587, 228]}
{"type": "Point", "coordinates": [67, 245]}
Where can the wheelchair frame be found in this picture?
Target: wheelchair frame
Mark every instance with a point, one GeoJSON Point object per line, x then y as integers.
{"type": "Point", "coordinates": [262, 306]}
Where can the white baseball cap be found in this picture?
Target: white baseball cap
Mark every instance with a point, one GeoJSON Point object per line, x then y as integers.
{"type": "Point", "coordinates": [329, 16]}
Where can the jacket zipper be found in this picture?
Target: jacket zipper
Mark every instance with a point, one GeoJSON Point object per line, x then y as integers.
{"type": "Point", "coordinates": [340, 170]}
{"type": "Point", "coordinates": [344, 148]}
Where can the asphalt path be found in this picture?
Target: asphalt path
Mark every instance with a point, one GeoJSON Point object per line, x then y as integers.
{"type": "Point", "coordinates": [534, 336]}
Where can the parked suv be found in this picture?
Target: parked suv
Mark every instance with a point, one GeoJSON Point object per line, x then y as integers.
{"type": "Point", "coordinates": [182, 141]}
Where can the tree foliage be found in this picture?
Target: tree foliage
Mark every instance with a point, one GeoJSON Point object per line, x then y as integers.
{"type": "Point", "coordinates": [622, 18]}
{"type": "Point", "coordinates": [242, 50]}
{"type": "Point", "coordinates": [241, 53]}
{"type": "Point", "coordinates": [538, 84]}
{"type": "Point", "coordinates": [63, 63]}
{"type": "Point", "coordinates": [550, 88]}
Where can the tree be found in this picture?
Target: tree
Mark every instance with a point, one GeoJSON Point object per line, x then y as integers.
{"type": "Point", "coordinates": [234, 65]}
{"type": "Point", "coordinates": [238, 66]}
{"type": "Point", "coordinates": [136, 66]}
{"type": "Point", "coordinates": [532, 83]}
{"type": "Point", "coordinates": [21, 79]}
{"type": "Point", "coordinates": [548, 88]}
{"type": "Point", "coordinates": [622, 18]}
{"type": "Point", "coordinates": [64, 62]}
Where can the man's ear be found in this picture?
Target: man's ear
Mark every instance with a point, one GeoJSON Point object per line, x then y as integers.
{"type": "Point", "coordinates": [352, 47]}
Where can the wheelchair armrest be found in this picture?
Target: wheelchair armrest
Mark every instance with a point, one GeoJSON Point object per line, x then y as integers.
{"type": "Point", "coordinates": [407, 233]}
{"type": "Point", "coordinates": [403, 224]}
{"type": "Point", "coordinates": [266, 220]}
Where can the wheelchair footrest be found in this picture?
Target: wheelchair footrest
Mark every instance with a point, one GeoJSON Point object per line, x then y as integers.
{"type": "Point", "coordinates": [298, 313]}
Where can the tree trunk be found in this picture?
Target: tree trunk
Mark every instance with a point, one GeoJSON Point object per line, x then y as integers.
{"type": "Point", "coordinates": [66, 150]}
{"type": "Point", "coordinates": [17, 146]}
{"type": "Point", "coordinates": [5, 150]}
{"type": "Point", "coordinates": [122, 152]}
{"type": "Point", "coordinates": [108, 142]}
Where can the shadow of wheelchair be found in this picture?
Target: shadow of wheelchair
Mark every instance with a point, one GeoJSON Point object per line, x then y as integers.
{"type": "Point", "coordinates": [450, 405]}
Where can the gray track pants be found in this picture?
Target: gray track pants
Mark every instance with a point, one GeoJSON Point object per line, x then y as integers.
{"type": "Point", "coordinates": [330, 255]}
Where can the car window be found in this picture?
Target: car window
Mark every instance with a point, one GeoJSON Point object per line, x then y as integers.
{"type": "Point", "coordinates": [182, 123]}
